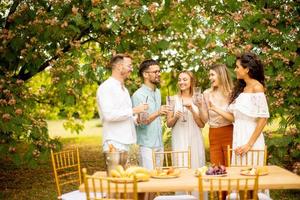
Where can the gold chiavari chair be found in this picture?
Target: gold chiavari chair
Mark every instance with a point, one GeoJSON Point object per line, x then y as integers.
{"type": "Point", "coordinates": [254, 157]}
{"type": "Point", "coordinates": [175, 159]}
{"type": "Point", "coordinates": [66, 168]}
{"type": "Point", "coordinates": [236, 187]}
{"type": "Point", "coordinates": [108, 188]}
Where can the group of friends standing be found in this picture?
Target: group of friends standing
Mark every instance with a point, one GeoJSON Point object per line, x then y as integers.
{"type": "Point", "coordinates": [236, 114]}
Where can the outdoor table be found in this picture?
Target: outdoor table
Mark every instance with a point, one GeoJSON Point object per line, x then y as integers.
{"type": "Point", "coordinates": [277, 178]}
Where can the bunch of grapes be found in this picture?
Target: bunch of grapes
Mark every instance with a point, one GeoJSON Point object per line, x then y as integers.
{"type": "Point", "coordinates": [216, 170]}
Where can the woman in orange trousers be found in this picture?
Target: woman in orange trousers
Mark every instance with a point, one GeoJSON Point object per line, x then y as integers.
{"type": "Point", "coordinates": [220, 131]}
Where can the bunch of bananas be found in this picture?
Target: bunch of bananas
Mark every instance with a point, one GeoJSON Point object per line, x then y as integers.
{"type": "Point", "coordinates": [141, 174]}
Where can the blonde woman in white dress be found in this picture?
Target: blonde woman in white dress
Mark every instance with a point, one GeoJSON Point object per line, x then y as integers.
{"type": "Point", "coordinates": [185, 121]}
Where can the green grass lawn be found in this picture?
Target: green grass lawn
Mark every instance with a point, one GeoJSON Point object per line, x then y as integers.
{"type": "Point", "coordinates": [38, 184]}
{"type": "Point", "coordinates": [92, 128]}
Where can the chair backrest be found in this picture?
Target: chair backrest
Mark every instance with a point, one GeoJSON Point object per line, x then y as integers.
{"type": "Point", "coordinates": [254, 157]}
{"type": "Point", "coordinates": [176, 159]}
{"type": "Point", "coordinates": [66, 167]}
{"type": "Point", "coordinates": [109, 188]}
{"type": "Point", "coordinates": [237, 187]}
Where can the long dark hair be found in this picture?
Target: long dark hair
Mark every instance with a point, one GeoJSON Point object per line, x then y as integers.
{"type": "Point", "coordinates": [256, 71]}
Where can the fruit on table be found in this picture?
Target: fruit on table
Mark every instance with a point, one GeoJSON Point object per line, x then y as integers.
{"type": "Point", "coordinates": [166, 172]}
{"type": "Point", "coordinates": [211, 170]}
{"type": "Point", "coordinates": [216, 170]}
{"type": "Point", "coordinates": [170, 170]}
{"type": "Point", "coordinates": [142, 177]}
{"type": "Point", "coordinates": [258, 170]}
{"type": "Point", "coordinates": [136, 169]}
{"type": "Point", "coordinates": [249, 171]}
{"type": "Point", "coordinates": [252, 171]}
{"type": "Point", "coordinates": [140, 173]}
{"type": "Point", "coordinates": [201, 170]}
{"type": "Point", "coordinates": [121, 170]}
{"type": "Point", "coordinates": [173, 172]}
{"type": "Point", "coordinates": [115, 173]}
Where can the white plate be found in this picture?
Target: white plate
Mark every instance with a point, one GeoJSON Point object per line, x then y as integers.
{"type": "Point", "coordinates": [246, 173]}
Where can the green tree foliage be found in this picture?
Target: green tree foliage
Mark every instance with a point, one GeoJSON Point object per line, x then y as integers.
{"type": "Point", "coordinates": [67, 43]}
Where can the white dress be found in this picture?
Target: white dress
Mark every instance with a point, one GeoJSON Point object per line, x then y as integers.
{"type": "Point", "coordinates": [247, 108]}
{"type": "Point", "coordinates": [185, 134]}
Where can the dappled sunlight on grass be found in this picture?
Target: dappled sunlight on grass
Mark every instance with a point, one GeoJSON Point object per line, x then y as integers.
{"type": "Point", "coordinates": [91, 128]}
{"type": "Point", "coordinates": [83, 141]}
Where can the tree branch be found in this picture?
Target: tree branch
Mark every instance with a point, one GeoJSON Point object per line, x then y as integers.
{"type": "Point", "coordinates": [11, 11]}
{"type": "Point", "coordinates": [25, 76]}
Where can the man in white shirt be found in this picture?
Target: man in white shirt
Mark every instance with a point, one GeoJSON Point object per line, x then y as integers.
{"type": "Point", "coordinates": [115, 107]}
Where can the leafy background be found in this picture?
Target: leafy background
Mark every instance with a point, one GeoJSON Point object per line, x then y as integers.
{"type": "Point", "coordinates": [53, 54]}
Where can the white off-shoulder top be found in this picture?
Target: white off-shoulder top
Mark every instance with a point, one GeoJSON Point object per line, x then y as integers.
{"type": "Point", "coordinates": [251, 104]}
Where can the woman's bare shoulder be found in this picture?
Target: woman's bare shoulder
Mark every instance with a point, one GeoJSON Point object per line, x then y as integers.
{"type": "Point", "coordinates": [258, 87]}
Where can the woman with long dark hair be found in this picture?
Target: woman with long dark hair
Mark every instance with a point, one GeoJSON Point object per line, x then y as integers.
{"type": "Point", "coordinates": [248, 106]}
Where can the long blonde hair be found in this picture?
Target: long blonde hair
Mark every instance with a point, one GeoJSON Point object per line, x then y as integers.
{"type": "Point", "coordinates": [193, 81]}
{"type": "Point", "coordinates": [226, 84]}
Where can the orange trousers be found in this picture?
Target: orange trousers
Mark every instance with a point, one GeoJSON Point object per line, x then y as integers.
{"type": "Point", "coordinates": [219, 138]}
